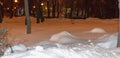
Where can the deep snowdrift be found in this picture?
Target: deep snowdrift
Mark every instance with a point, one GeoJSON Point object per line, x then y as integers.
{"type": "Point", "coordinates": [65, 45]}
{"type": "Point", "coordinates": [105, 41]}
{"type": "Point", "coordinates": [76, 50]}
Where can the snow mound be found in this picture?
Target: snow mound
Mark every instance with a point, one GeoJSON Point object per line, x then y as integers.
{"type": "Point", "coordinates": [16, 49]}
{"type": "Point", "coordinates": [76, 50]}
{"type": "Point", "coordinates": [97, 30]}
{"type": "Point", "coordinates": [63, 37]}
{"type": "Point", "coordinates": [108, 41]}
{"type": "Point", "coordinates": [73, 49]}
{"type": "Point", "coordinates": [105, 41]}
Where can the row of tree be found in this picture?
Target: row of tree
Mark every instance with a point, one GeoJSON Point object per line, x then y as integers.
{"type": "Point", "coordinates": [71, 8]}
{"type": "Point", "coordinates": [82, 8]}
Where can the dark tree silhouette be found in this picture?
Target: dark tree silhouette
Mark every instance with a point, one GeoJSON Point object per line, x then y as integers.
{"type": "Point", "coordinates": [39, 12]}
{"type": "Point", "coordinates": [53, 8]}
{"type": "Point", "coordinates": [1, 12]}
{"type": "Point", "coordinates": [48, 8]}
{"type": "Point", "coordinates": [27, 16]}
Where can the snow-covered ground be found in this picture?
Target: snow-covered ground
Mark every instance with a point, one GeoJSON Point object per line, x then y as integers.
{"type": "Point", "coordinates": [84, 29]}
{"type": "Point", "coordinates": [59, 38]}
{"type": "Point", "coordinates": [76, 50]}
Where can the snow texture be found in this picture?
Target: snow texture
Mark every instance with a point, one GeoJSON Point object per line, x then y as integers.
{"type": "Point", "coordinates": [48, 49]}
{"type": "Point", "coordinates": [98, 30]}
{"type": "Point", "coordinates": [16, 49]}
{"type": "Point", "coordinates": [56, 47]}
{"type": "Point", "coordinates": [105, 41]}
{"type": "Point", "coordinates": [63, 37]}
{"type": "Point", "coordinates": [76, 50]}
{"type": "Point", "coordinates": [108, 41]}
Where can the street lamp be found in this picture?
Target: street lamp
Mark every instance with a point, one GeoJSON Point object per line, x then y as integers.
{"type": "Point", "coordinates": [15, 1]}
{"type": "Point", "coordinates": [34, 6]}
{"type": "Point", "coordinates": [1, 3]}
{"type": "Point", "coordinates": [15, 4]}
{"type": "Point", "coordinates": [42, 4]}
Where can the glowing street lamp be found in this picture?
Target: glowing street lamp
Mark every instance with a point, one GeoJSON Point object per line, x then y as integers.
{"type": "Point", "coordinates": [1, 3]}
{"type": "Point", "coordinates": [34, 6]}
{"type": "Point", "coordinates": [14, 7]}
{"type": "Point", "coordinates": [8, 8]}
{"type": "Point", "coordinates": [42, 4]}
{"type": "Point", "coordinates": [15, 1]}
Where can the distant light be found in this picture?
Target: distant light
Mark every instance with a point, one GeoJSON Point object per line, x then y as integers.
{"type": "Point", "coordinates": [42, 4]}
{"type": "Point", "coordinates": [1, 3]}
{"type": "Point", "coordinates": [46, 8]}
{"type": "Point", "coordinates": [34, 6]}
{"type": "Point", "coordinates": [14, 7]}
{"type": "Point", "coordinates": [15, 1]}
{"type": "Point", "coordinates": [8, 8]}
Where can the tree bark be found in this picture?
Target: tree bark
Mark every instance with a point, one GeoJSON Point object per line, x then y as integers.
{"type": "Point", "coordinates": [53, 8]}
{"type": "Point", "coordinates": [48, 8]}
{"type": "Point", "coordinates": [27, 17]}
{"type": "Point", "coordinates": [118, 44]}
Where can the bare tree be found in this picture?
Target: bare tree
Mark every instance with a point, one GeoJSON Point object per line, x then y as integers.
{"type": "Point", "coordinates": [53, 8]}
{"type": "Point", "coordinates": [48, 8]}
{"type": "Point", "coordinates": [27, 17]}
{"type": "Point", "coordinates": [118, 44]}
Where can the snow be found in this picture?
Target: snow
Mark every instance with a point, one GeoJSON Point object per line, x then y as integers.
{"type": "Point", "coordinates": [41, 32]}
{"type": "Point", "coordinates": [85, 39]}
{"type": "Point", "coordinates": [105, 41]}
{"type": "Point", "coordinates": [63, 37]}
{"type": "Point", "coordinates": [98, 30]}
{"type": "Point", "coordinates": [108, 41]}
{"type": "Point", "coordinates": [17, 48]}
{"type": "Point", "coordinates": [76, 50]}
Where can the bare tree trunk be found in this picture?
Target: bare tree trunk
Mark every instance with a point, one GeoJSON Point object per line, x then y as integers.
{"type": "Point", "coordinates": [48, 6]}
{"type": "Point", "coordinates": [40, 16]}
{"type": "Point", "coordinates": [58, 8]}
{"type": "Point", "coordinates": [27, 17]}
{"type": "Point", "coordinates": [30, 6]}
{"type": "Point", "coordinates": [11, 11]}
{"type": "Point", "coordinates": [118, 44]}
{"type": "Point", "coordinates": [53, 8]}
